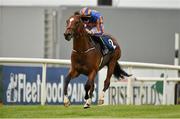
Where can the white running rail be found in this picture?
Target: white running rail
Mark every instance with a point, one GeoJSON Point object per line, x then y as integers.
{"type": "Point", "coordinates": [44, 63]}
{"type": "Point", "coordinates": [129, 65]}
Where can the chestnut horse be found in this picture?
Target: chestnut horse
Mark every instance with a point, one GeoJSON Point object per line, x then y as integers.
{"type": "Point", "coordinates": [87, 59]}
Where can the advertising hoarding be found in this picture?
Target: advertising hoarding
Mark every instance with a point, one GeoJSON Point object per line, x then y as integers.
{"type": "Point", "coordinates": [148, 92]}
{"type": "Point", "coordinates": [22, 85]}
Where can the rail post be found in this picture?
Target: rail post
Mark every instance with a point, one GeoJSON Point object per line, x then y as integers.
{"type": "Point", "coordinates": [164, 87]}
{"type": "Point", "coordinates": [43, 84]}
{"type": "Point", "coordinates": [141, 92]}
{"type": "Point", "coordinates": [129, 88]}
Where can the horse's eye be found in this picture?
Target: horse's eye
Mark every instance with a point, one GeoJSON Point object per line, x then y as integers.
{"type": "Point", "coordinates": [66, 21]}
{"type": "Point", "coordinates": [76, 23]}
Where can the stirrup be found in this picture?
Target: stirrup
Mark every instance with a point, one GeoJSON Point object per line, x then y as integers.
{"type": "Point", "coordinates": [105, 51]}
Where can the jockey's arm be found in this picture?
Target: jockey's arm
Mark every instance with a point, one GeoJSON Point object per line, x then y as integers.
{"type": "Point", "coordinates": [99, 27]}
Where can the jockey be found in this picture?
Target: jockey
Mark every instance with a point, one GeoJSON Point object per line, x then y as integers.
{"type": "Point", "coordinates": [93, 22]}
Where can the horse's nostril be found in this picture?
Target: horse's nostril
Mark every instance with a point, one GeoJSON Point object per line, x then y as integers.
{"type": "Point", "coordinates": [67, 34]}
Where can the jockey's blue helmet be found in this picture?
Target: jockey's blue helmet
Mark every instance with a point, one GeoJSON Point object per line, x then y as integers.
{"type": "Point", "coordinates": [85, 12]}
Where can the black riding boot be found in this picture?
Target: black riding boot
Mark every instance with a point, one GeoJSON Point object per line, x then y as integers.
{"type": "Point", "coordinates": [105, 50]}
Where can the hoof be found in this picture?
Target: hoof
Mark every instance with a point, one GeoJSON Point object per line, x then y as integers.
{"type": "Point", "coordinates": [66, 101]}
{"type": "Point", "coordinates": [86, 106]}
{"type": "Point", "coordinates": [100, 102]}
{"type": "Point", "coordinates": [67, 104]}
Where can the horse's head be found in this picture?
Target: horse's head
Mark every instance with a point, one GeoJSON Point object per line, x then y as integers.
{"type": "Point", "coordinates": [73, 24]}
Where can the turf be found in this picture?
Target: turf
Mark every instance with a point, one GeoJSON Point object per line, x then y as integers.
{"type": "Point", "coordinates": [77, 111]}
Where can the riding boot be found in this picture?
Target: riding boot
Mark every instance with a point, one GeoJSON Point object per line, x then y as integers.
{"type": "Point", "coordinates": [105, 50]}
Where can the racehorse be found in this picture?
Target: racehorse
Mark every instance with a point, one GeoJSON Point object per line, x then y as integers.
{"type": "Point", "coordinates": [87, 59]}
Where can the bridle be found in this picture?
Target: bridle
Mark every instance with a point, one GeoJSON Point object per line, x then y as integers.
{"type": "Point", "coordinates": [79, 30]}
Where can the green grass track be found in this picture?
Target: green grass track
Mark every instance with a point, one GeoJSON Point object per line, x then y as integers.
{"type": "Point", "coordinates": [77, 111]}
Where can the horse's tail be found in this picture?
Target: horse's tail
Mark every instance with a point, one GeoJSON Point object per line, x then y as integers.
{"type": "Point", "coordinates": [119, 72]}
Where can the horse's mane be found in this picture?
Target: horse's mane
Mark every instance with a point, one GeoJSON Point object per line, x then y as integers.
{"type": "Point", "coordinates": [76, 14]}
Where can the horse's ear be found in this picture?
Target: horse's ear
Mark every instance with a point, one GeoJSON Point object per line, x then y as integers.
{"type": "Point", "coordinates": [76, 13]}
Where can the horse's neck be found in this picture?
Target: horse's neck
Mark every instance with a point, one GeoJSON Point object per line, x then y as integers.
{"type": "Point", "coordinates": [81, 41]}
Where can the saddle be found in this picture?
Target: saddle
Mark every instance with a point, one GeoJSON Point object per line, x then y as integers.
{"type": "Point", "coordinates": [105, 42]}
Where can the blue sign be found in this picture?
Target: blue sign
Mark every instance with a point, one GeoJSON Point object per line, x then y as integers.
{"type": "Point", "coordinates": [22, 85]}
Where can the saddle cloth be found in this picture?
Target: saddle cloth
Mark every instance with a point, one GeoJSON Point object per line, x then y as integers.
{"type": "Point", "coordinates": [105, 40]}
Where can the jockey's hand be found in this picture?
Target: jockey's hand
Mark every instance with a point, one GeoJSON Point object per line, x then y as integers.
{"type": "Point", "coordinates": [85, 25]}
{"type": "Point", "coordinates": [89, 32]}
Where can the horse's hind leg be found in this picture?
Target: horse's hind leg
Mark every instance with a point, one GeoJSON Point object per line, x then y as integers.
{"type": "Point", "coordinates": [70, 75]}
{"type": "Point", "coordinates": [107, 81]}
{"type": "Point", "coordinates": [89, 88]}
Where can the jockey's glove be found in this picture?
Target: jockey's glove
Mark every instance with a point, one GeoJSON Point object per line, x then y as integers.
{"type": "Point", "coordinates": [89, 32]}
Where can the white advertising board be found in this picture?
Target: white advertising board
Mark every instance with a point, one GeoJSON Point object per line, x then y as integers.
{"type": "Point", "coordinates": [146, 92]}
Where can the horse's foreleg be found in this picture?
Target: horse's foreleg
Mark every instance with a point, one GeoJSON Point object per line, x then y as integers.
{"type": "Point", "coordinates": [66, 82]}
{"type": "Point", "coordinates": [89, 88]}
{"type": "Point", "coordinates": [107, 81]}
{"type": "Point", "coordinates": [87, 99]}
{"type": "Point", "coordinates": [71, 75]}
